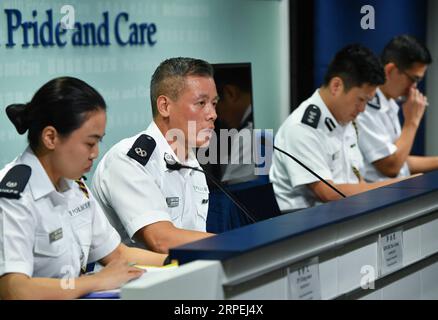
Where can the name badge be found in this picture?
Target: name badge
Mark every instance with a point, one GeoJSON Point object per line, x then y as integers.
{"type": "Point", "coordinates": [172, 202]}
{"type": "Point", "coordinates": [55, 235]}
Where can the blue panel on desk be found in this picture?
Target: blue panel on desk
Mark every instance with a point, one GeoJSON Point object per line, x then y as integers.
{"type": "Point", "coordinates": [255, 236]}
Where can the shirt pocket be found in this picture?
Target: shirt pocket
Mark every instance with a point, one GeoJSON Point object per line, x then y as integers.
{"type": "Point", "coordinates": [45, 247]}
{"type": "Point", "coordinates": [335, 163]}
{"type": "Point", "coordinates": [356, 158]}
{"type": "Point", "coordinates": [202, 199]}
{"type": "Point", "coordinates": [175, 208]}
{"type": "Point", "coordinates": [83, 229]}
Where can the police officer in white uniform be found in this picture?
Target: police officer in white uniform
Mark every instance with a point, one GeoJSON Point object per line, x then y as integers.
{"type": "Point", "coordinates": [385, 144]}
{"type": "Point", "coordinates": [380, 129]}
{"type": "Point", "coordinates": [321, 134]}
{"type": "Point", "coordinates": [52, 226]}
{"type": "Point", "coordinates": [150, 205]}
{"type": "Point", "coordinates": [235, 114]}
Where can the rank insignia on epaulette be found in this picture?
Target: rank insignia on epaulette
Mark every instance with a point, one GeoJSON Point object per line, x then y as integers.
{"type": "Point", "coordinates": [311, 116]}
{"type": "Point", "coordinates": [15, 181]}
{"type": "Point", "coordinates": [142, 149]}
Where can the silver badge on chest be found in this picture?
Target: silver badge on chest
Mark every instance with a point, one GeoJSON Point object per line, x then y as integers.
{"type": "Point", "coordinates": [55, 235]}
{"type": "Point", "coordinates": [172, 202]}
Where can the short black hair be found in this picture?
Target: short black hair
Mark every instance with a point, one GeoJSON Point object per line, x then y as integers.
{"type": "Point", "coordinates": [64, 103]}
{"type": "Point", "coordinates": [404, 51]}
{"type": "Point", "coordinates": [169, 78]}
{"type": "Point", "coordinates": [232, 75]}
{"type": "Point", "coordinates": [356, 65]}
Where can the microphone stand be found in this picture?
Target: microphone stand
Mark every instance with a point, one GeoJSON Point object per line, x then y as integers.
{"type": "Point", "coordinates": [307, 168]}
{"type": "Point", "coordinates": [177, 166]}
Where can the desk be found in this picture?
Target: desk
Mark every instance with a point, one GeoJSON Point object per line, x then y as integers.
{"type": "Point", "coordinates": [253, 262]}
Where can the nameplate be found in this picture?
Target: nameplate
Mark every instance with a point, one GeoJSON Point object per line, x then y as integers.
{"type": "Point", "coordinates": [390, 251]}
{"type": "Point", "coordinates": [304, 281]}
{"type": "Point", "coordinates": [55, 235]}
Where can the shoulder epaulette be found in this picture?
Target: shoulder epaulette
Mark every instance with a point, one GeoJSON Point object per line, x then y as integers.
{"type": "Point", "coordinates": [375, 103]}
{"type": "Point", "coordinates": [142, 149]}
{"type": "Point", "coordinates": [15, 181]}
{"type": "Point", "coordinates": [311, 116]}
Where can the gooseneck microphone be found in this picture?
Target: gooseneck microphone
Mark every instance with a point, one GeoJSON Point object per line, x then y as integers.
{"type": "Point", "coordinates": [172, 164]}
{"type": "Point", "coordinates": [263, 142]}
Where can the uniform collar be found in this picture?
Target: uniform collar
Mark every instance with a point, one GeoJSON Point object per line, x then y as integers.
{"type": "Point", "coordinates": [39, 181]}
{"type": "Point", "coordinates": [246, 121]}
{"type": "Point", "coordinates": [164, 147]}
{"type": "Point", "coordinates": [327, 121]}
{"type": "Point", "coordinates": [385, 104]}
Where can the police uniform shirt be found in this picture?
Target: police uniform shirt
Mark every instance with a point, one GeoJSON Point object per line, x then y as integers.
{"type": "Point", "coordinates": [313, 136]}
{"type": "Point", "coordinates": [136, 189]}
{"type": "Point", "coordinates": [379, 130]}
{"type": "Point", "coordinates": [49, 233]}
{"type": "Point", "coordinates": [240, 165]}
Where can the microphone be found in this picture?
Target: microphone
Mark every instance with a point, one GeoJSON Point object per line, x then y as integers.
{"type": "Point", "coordinates": [172, 164]}
{"type": "Point", "coordinates": [263, 142]}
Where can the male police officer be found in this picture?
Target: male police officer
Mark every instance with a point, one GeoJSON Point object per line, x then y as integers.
{"type": "Point", "coordinates": [386, 145]}
{"type": "Point", "coordinates": [144, 200]}
{"type": "Point", "coordinates": [234, 111]}
{"type": "Point", "coordinates": [320, 133]}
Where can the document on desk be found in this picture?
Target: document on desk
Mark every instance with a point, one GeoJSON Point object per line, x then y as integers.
{"type": "Point", "coordinates": [115, 294]}
{"type": "Point", "coordinates": [167, 267]}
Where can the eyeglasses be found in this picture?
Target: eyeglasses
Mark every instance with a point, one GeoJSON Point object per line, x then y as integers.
{"type": "Point", "coordinates": [414, 79]}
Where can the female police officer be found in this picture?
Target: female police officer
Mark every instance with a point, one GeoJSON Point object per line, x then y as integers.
{"type": "Point", "coordinates": [50, 225]}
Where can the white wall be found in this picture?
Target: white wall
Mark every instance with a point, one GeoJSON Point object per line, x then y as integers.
{"type": "Point", "coordinates": [219, 31]}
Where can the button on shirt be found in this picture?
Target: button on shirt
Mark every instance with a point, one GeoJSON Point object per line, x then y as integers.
{"type": "Point", "coordinates": [49, 233]}
{"type": "Point", "coordinates": [330, 150]}
{"type": "Point", "coordinates": [379, 129]}
{"type": "Point", "coordinates": [135, 195]}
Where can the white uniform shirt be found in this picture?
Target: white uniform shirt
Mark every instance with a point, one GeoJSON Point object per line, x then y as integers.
{"type": "Point", "coordinates": [134, 195]}
{"type": "Point", "coordinates": [51, 234]}
{"type": "Point", "coordinates": [240, 164]}
{"type": "Point", "coordinates": [325, 146]}
{"type": "Point", "coordinates": [379, 129]}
